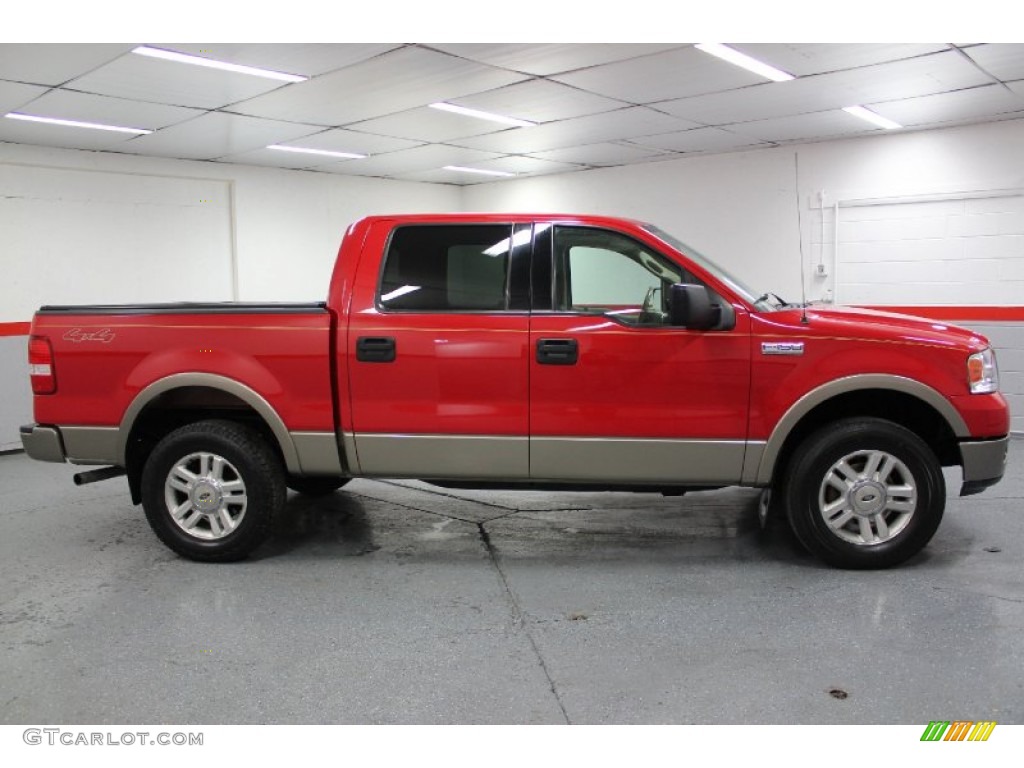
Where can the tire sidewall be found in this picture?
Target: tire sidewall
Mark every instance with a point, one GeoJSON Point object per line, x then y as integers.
{"type": "Point", "coordinates": [819, 454]}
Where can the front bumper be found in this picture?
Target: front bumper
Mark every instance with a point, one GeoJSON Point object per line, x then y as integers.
{"type": "Point", "coordinates": [43, 443]}
{"type": "Point", "coordinates": [984, 462]}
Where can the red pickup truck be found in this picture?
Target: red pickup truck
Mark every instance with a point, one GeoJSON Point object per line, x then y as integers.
{"type": "Point", "coordinates": [524, 351]}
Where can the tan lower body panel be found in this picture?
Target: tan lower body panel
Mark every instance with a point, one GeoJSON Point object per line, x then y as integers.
{"type": "Point", "coordinates": [91, 445]}
{"type": "Point", "coordinates": [469, 457]}
{"type": "Point", "coordinates": [636, 460]}
{"type": "Point", "coordinates": [557, 459]}
{"type": "Point", "coordinates": [317, 452]}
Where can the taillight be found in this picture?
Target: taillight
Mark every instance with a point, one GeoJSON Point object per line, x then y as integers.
{"type": "Point", "coordinates": [40, 366]}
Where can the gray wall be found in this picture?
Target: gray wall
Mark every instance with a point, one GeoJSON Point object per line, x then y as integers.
{"type": "Point", "coordinates": [15, 391]}
{"type": "Point", "coordinates": [1008, 341]}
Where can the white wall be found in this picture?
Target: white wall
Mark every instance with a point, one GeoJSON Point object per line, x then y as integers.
{"type": "Point", "coordinates": [740, 210]}
{"type": "Point", "coordinates": [96, 227]}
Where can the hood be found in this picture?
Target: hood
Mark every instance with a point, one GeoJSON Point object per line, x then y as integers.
{"type": "Point", "coordinates": [851, 322]}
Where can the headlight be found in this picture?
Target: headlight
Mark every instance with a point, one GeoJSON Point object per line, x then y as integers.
{"type": "Point", "coordinates": [982, 372]}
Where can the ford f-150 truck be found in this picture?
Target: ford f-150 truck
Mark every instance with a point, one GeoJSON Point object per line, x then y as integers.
{"type": "Point", "coordinates": [530, 351]}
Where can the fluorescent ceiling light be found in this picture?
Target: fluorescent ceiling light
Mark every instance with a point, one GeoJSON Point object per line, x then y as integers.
{"type": "Point", "coordinates": [200, 61]}
{"type": "Point", "coordinates": [748, 63]}
{"type": "Point", "coordinates": [74, 123]}
{"type": "Point", "coordinates": [480, 171]}
{"type": "Point", "coordinates": [872, 117]}
{"type": "Point", "coordinates": [326, 152]}
{"type": "Point", "coordinates": [446, 107]}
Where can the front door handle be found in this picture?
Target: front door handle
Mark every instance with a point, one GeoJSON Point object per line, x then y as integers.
{"type": "Point", "coordinates": [375, 349]}
{"type": "Point", "coordinates": [557, 351]}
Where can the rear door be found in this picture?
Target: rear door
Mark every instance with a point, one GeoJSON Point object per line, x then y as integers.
{"type": "Point", "coordinates": [616, 393]}
{"type": "Point", "coordinates": [438, 351]}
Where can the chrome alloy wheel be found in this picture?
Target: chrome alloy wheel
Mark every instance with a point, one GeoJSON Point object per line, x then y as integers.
{"type": "Point", "coordinates": [205, 496]}
{"type": "Point", "coordinates": [867, 497]}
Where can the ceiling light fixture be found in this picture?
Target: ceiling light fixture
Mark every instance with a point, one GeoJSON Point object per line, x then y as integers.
{"type": "Point", "coordinates": [748, 63]}
{"type": "Point", "coordinates": [463, 169]}
{"type": "Point", "coordinates": [200, 61]}
{"type": "Point", "coordinates": [75, 123]}
{"type": "Point", "coordinates": [481, 115]}
{"type": "Point", "coordinates": [872, 117]}
{"type": "Point", "coordinates": [326, 152]}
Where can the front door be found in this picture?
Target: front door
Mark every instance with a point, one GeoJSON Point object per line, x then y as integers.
{"type": "Point", "coordinates": [617, 395]}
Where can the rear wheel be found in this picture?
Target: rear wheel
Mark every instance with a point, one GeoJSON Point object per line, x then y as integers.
{"type": "Point", "coordinates": [211, 490]}
{"type": "Point", "coordinates": [864, 493]}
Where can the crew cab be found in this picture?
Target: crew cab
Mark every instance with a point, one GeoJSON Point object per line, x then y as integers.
{"type": "Point", "coordinates": [521, 351]}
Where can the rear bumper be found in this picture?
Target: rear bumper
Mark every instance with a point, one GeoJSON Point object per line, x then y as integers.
{"type": "Point", "coordinates": [984, 463]}
{"type": "Point", "coordinates": [43, 443]}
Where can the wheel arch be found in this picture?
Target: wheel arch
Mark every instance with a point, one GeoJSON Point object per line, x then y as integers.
{"type": "Point", "coordinates": [184, 393]}
{"type": "Point", "coordinates": [901, 400]}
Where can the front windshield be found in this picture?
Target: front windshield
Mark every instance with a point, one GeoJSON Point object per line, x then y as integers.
{"type": "Point", "coordinates": [765, 302]}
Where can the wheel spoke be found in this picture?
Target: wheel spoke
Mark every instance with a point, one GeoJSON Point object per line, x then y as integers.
{"type": "Point", "coordinates": [866, 531]}
{"type": "Point", "coordinates": [838, 483]}
{"type": "Point", "coordinates": [829, 509]}
{"type": "Point", "coordinates": [881, 526]}
{"type": "Point", "coordinates": [232, 485]}
{"type": "Point", "coordinates": [179, 511]}
{"type": "Point", "coordinates": [847, 471]}
{"type": "Point", "coordinates": [190, 521]}
{"type": "Point", "coordinates": [871, 466]}
{"type": "Point", "coordinates": [900, 506]}
{"type": "Point", "coordinates": [888, 465]}
{"type": "Point", "coordinates": [217, 470]}
{"type": "Point", "coordinates": [204, 464]}
{"type": "Point", "coordinates": [841, 520]}
{"type": "Point", "coordinates": [225, 520]}
{"type": "Point", "coordinates": [179, 485]}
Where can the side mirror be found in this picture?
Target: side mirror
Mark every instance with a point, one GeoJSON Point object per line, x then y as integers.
{"type": "Point", "coordinates": [690, 307]}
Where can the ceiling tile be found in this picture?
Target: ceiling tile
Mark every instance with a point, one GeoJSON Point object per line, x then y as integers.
{"type": "Point", "coordinates": [170, 82]}
{"type": "Point", "coordinates": [970, 103]}
{"type": "Point", "coordinates": [410, 161]}
{"type": "Point", "coordinates": [540, 101]}
{"type": "Point", "coordinates": [697, 140]}
{"type": "Point", "coordinates": [72, 105]}
{"type": "Point", "coordinates": [1004, 60]}
{"type": "Point", "coordinates": [670, 75]}
{"type": "Point", "coordinates": [215, 135]}
{"type": "Point", "coordinates": [426, 124]}
{"type": "Point", "coordinates": [608, 126]}
{"type": "Point", "coordinates": [921, 76]}
{"type": "Point", "coordinates": [600, 154]}
{"type": "Point", "coordinates": [309, 59]}
{"type": "Point", "coordinates": [14, 96]}
{"type": "Point", "coordinates": [340, 140]}
{"type": "Point", "coordinates": [42, 134]}
{"type": "Point", "coordinates": [815, 58]}
{"type": "Point", "coordinates": [819, 125]}
{"type": "Point", "coordinates": [396, 81]}
{"type": "Point", "coordinates": [550, 59]}
{"type": "Point", "coordinates": [49, 64]}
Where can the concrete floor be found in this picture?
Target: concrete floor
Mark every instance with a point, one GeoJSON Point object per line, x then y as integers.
{"type": "Point", "coordinates": [392, 602]}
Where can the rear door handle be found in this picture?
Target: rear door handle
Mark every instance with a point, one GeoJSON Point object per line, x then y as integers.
{"type": "Point", "coordinates": [557, 351]}
{"type": "Point", "coordinates": [375, 349]}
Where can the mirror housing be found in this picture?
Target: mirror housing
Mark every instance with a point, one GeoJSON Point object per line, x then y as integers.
{"type": "Point", "coordinates": [690, 307]}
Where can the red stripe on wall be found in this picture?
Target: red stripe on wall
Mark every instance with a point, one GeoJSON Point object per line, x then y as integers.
{"type": "Point", "coordinates": [14, 329]}
{"type": "Point", "coordinates": [995, 314]}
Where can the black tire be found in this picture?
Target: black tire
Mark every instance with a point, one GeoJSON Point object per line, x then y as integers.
{"type": "Point", "coordinates": [316, 486]}
{"type": "Point", "coordinates": [892, 500]}
{"type": "Point", "coordinates": [226, 510]}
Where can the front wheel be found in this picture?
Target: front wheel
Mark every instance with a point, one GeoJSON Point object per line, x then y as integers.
{"type": "Point", "coordinates": [864, 493]}
{"type": "Point", "coordinates": [212, 489]}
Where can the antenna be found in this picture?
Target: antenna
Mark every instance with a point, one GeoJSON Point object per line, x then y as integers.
{"type": "Point", "coordinates": [800, 239]}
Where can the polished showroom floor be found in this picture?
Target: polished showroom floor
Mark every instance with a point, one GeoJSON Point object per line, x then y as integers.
{"type": "Point", "coordinates": [395, 602]}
